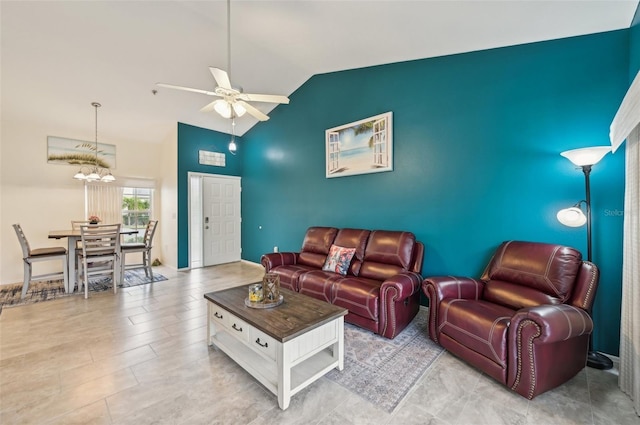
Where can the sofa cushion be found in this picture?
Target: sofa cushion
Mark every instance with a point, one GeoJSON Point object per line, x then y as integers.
{"type": "Point", "coordinates": [315, 246]}
{"type": "Point", "coordinates": [387, 254]}
{"type": "Point", "coordinates": [354, 238]}
{"type": "Point", "coordinates": [548, 271]}
{"type": "Point", "coordinates": [318, 284]}
{"type": "Point", "coordinates": [290, 274]}
{"type": "Point", "coordinates": [478, 325]}
{"type": "Point", "coordinates": [359, 295]}
{"type": "Point", "coordinates": [339, 259]}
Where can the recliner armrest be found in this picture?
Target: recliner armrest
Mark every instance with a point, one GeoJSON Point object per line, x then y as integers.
{"type": "Point", "coordinates": [274, 259]}
{"type": "Point", "coordinates": [556, 322]}
{"type": "Point", "coordinates": [547, 346]}
{"type": "Point", "coordinates": [437, 288]}
{"type": "Point", "coordinates": [452, 287]}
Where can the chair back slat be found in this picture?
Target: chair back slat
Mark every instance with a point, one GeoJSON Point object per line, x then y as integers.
{"type": "Point", "coordinates": [24, 243]}
{"type": "Point", "coordinates": [103, 240]}
{"type": "Point", "coordinates": [149, 232]}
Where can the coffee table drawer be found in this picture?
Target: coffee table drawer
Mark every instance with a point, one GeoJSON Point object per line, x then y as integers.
{"type": "Point", "coordinates": [262, 343]}
{"type": "Point", "coordinates": [219, 315]}
{"type": "Point", "coordinates": [237, 328]}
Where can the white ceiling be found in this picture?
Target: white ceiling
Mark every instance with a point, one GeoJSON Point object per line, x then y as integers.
{"type": "Point", "coordinates": [59, 56]}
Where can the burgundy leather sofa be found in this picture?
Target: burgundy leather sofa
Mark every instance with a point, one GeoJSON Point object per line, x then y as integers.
{"type": "Point", "coordinates": [381, 288]}
{"type": "Point", "coordinates": [525, 322]}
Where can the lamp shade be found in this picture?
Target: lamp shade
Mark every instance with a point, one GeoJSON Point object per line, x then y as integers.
{"type": "Point", "coordinates": [93, 176]}
{"type": "Point", "coordinates": [572, 217]}
{"type": "Point", "coordinates": [586, 156]}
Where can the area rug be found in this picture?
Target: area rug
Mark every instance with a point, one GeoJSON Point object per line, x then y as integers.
{"type": "Point", "coordinates": [54, 289]}
{"type": "Point", "coordinates": [384, 371]}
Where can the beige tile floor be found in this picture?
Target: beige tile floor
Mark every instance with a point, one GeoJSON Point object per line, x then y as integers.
{"type": "Point", "coordinates": [140, 357]}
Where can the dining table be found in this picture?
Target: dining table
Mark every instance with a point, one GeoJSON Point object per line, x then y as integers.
{"type": "Point", "coordinates": [73, 236]}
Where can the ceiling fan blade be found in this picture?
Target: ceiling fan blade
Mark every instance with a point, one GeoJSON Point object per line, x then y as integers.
{"type": "Point", "coordinates": [221, 77]}
{"type": "Point", "coordinates": [270, 98]}
{"type": "Point", "coordinates": [171, 86]}
{"type": "Point", "coordinates": [209, 107]}
{"type": "Point", "coordinates": [252, 110]}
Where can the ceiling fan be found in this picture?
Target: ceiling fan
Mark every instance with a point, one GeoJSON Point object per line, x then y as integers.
{"type": "Point", "coordinates": [233, 102]}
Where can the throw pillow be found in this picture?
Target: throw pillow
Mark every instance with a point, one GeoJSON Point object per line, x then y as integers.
{"type": "Point", "coordinates": [339, 259]}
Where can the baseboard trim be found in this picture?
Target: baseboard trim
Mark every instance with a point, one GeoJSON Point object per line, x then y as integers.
{"type": "Point", "coordinates": [251, 263]}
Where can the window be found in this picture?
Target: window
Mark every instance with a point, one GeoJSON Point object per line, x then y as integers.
{"type": "Point", "coordinates": [136, 211]}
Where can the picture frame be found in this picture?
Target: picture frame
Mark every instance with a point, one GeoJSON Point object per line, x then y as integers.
{"type": "Point", "coordinates": [61, 150]}
{"type": "Point", "coordinates": [360, 147]}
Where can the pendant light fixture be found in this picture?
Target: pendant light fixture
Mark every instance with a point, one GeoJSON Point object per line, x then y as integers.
{"type": "Point", "coordinates": [96, 173]}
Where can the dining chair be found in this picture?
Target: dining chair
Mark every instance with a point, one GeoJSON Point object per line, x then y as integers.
{"type": "Point", "coordinates": [76, 224]}
{"type": "Point", "coordinates": [143, 247]}
{"type": "Point", "coordinates": [100, 254]}
{"type": "Point", "coordinates": [30, 256]}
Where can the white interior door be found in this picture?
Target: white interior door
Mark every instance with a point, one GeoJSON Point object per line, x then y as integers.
{"type": "Point", "coordinates": [220, 220]}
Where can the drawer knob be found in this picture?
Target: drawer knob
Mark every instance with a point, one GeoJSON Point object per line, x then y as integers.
{"type": "Point", "coordinates": [219, 316]}
{"type": "Point", "coordinates": [239, 329]}
{"type": "Point", "coordinates": [266, 344]}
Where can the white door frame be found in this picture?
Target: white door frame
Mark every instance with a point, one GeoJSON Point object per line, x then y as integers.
{"type": "Point", "coordinates": [191, 212]}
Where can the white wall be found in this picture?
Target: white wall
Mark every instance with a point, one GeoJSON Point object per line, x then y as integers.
{"type": "Point", "coordinates": [43, 197]}
{"type": "Point", "coordinates": [169, 196]}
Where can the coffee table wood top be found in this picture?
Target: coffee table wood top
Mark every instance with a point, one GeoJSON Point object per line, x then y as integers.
{"type": "Point", "coordinates": [296, 315]}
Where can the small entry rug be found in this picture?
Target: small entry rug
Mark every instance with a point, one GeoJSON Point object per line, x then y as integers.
{"type": "Point", "coordinates": [381, 370]}
{"type": "Point", "coordinates": [54, 289]}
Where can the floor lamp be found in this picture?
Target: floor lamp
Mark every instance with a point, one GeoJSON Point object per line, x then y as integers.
{"type": "Point", "coordinates": [585, 158]}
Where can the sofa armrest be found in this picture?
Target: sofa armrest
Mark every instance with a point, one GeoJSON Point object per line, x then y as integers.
{"type": "Point", "coordinates": [555, 322]}
{"type": "Point", "coordinates": [399, 302]}
{"type": "Point", "coordinates": [438, 288]}
{"type": "Point", "coordinates": [274, 259]}
{"type": "Point", "coordinates": [400, 286]}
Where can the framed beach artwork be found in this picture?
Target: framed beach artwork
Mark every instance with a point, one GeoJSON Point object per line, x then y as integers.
{"type": "Point", "coordinates": [361, 147]}
{"type": "Point", "coordinates": [80, 152]}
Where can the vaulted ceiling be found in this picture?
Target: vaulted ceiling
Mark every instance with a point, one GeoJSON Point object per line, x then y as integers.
{"type": "Point", "coordinates": [59, 56]}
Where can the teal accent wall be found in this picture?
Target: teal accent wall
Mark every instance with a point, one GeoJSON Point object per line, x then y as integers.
{"type": "Point", "coordinates": [190, 141]}
{"type": "Point", "coordinates": [477, 142]}
{"type": "Point", "coordinates": [477, 138]}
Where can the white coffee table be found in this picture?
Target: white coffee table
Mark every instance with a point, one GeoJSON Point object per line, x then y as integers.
{"type": "Point", "coordinates": [285, 348]}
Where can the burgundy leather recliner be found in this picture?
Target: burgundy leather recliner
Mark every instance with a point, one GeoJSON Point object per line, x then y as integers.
{"type": "Point", "coordinates": [525, 322]}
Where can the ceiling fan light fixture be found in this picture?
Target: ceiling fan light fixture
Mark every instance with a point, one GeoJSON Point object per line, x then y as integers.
{"type": "Point", "coordinates": [222, 107]}
{"type": "Point", "coordinates": [238, 109]}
